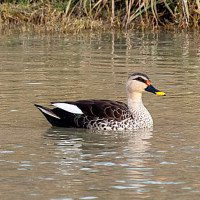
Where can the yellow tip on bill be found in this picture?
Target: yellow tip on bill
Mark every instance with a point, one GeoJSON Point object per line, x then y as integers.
{"type": "Point", "coordinates": [160, 93]}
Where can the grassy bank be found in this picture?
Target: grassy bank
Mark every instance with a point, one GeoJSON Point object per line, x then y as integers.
{"type": "Point", "coordinates": [78, 15]}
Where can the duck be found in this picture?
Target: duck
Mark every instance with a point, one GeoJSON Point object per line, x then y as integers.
{"type": "Point", "coordinates": [106, 114]}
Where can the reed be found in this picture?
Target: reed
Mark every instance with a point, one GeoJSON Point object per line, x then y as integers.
{"type": "Point", "coordinates": [77, 15]}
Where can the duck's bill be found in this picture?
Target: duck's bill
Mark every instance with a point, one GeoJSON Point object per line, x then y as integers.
{"type": "Point", "coordinates": [152, 89]}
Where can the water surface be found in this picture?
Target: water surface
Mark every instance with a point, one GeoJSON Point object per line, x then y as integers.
{"type": "Point", "coordinates": [40, 162]}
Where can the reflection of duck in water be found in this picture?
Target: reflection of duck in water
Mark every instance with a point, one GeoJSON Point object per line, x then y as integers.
{"type": "Point", "coordinates": [124, 159]}
{"type": "Point", "coordinates": [106, 114]}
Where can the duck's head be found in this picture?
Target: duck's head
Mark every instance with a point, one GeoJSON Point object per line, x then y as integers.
{"type": "Point", "coordinates": [138, 82]}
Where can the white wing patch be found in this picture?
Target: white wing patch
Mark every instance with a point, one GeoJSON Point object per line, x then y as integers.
{"type": "Point", "coordinates": [48, 112]}
{"type": "Point", "coordinates": [68, 107]}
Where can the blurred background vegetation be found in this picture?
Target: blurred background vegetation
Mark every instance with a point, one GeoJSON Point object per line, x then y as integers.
{"type": "Point", "coordinates": [77, 15]}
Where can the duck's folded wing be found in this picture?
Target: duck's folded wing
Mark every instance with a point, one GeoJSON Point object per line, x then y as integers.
{"type": "Point", "coordinates": [96, 108]}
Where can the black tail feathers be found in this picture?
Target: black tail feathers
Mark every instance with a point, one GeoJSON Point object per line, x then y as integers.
{"type": "Point", "coordinates": [57, 116]}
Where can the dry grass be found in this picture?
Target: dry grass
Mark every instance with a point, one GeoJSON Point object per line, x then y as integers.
{"type": "Point", "coordinates": [78, 15]}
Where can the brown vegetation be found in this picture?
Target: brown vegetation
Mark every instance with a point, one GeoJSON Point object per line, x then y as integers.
{"type": "Point", "coordinates": [77, 15]}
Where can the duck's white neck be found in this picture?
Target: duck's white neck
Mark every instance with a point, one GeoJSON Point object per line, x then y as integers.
{"type": "Point", "coordinates": [140, 114]}
{"type": "Point", "coordinates": [135, 101]}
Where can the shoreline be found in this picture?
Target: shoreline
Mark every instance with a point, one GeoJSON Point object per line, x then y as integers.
{"type": "Point", "coordinates": [65, 17]}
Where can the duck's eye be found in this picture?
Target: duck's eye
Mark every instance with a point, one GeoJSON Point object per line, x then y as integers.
{"type": "Point", "coordinates": [140, 79]}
